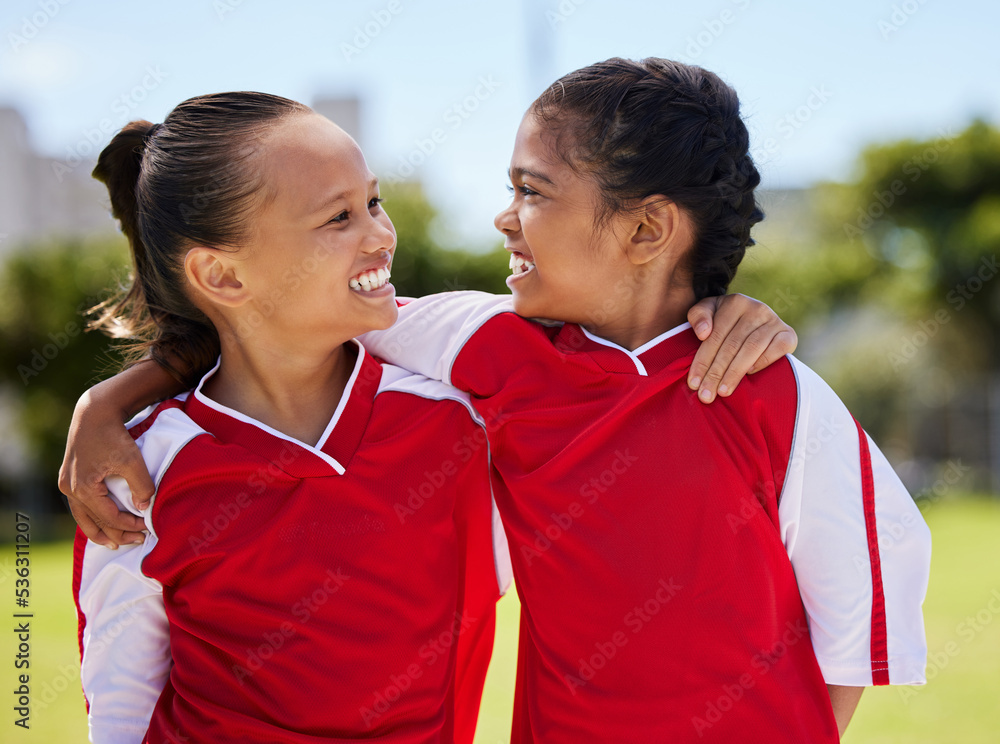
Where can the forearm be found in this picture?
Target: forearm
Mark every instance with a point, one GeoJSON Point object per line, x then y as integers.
{"type": "Point", "coordinates": [130, 391]}
{"type": "Point", "coordinates": [431, 331]}
{"type": "Point", "coordinates": [845, 701]}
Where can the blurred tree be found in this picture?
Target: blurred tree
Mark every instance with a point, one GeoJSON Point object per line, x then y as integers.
{"type": "Point", "coordinates": [933, 207]}
{"type": "Point", "coordinates": [907, 255]}
{"type": "Point", "coordinates": [421, 266]}
{"type": "Point", "coordinates": [917, 231]}
{"type": "Point", "coordinates": [46, 358]}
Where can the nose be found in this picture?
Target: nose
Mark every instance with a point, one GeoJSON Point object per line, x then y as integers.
{"type": "Point", "coordinates": [506, 220]}
{"type": "Point", "coordinates": [381, 235]}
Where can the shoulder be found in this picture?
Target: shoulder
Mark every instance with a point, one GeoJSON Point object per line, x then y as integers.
{"type": "Point", "coordinates": [407, 388]}
{"type": "Point", "coordinates": [473, 316]}
{"type": "Point", "coordinates": [161, 431]}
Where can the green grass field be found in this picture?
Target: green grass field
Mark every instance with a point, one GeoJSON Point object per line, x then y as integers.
{"type": "Point", "coordinates": [959, 703]}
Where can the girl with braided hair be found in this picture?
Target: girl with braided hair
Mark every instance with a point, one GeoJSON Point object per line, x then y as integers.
{"type": "Point", "coordinates": [724, 573]}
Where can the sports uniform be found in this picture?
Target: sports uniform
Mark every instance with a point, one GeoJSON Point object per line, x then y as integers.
{"type": "Point", "coordinates": [687, 572]}
{"type": "Point", "coordinates": [291, 593]}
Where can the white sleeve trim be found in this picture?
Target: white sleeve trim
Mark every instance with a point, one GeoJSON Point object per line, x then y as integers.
{"type": "Point", "coordinates": [821, 513]}
{"type": "Point", "coordinates": [126, 642]}
{"type": "Point", "coordinates": [431, 331]}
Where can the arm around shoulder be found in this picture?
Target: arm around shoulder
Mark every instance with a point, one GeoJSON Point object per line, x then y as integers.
{"type": "Point", "coordinates": [99, 446]}
{"type": "Point", "coordinates": [431, 331]}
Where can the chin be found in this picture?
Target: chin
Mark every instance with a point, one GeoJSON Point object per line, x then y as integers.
{"type": "Point", "coordinates": [386, 319]}
{"type": "Point", "coordinates": [523, 306]}
{"type": "Point", "coordinates": [535, 310]}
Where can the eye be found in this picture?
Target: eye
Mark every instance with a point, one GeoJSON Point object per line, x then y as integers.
{"type": "Point", "coordinates": [342, 217]}
{"type": "Point", "coordinates": [522, 190]}
{"type": "Point", "coordinates": [375, 202]}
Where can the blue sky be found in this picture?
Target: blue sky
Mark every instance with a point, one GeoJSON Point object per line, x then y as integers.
{"type": "Point", "coordinates": [818, 81]}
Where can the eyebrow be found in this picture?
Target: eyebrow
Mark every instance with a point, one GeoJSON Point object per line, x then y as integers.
{"type": "Point", "coordinates": [327, 203]}
{"type": "Point", "coordinates": [518, 174]}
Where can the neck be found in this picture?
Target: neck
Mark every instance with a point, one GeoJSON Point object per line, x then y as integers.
{"type": "Point", "coordinates": [292, 387]}
{"type": "Point", "coordinates": [649, 312]}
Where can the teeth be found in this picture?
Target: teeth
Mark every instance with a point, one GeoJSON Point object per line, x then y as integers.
{"type": "Point", "coordinates": [519, 264]}
{"type": "Point", "coordinates": [366, 281]}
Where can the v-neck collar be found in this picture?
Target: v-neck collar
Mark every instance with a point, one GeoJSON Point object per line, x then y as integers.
{"type": "Point", "coordinates": [332, 453]}
{"type": "Point", "coordinates": [650, 358]}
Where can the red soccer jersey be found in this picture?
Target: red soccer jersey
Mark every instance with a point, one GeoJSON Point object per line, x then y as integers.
{"type": "Point", "coordinates": [651, 535]}
{"type": "Point", "coordinates": [332, 593]}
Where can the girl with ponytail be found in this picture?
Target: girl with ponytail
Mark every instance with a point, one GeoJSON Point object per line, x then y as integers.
{"type": "Point", "coordinates": [279, 595]}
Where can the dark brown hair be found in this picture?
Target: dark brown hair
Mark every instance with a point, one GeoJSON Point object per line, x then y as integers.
{"type": "Point", "coordinates": [658, 127]}
{"type": "Point", "coordinates": [191, 180]}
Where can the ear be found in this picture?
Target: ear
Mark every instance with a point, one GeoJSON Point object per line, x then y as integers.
{"type": "Point", "coordinates": [659, 227]}
{"type": "Point", "coordinates": [213, 275]}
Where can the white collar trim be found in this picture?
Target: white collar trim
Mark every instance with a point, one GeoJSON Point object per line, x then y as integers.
{"type": "Point", "coordinates": [317, 449]}
{"type": "Point", "coordinates": [634, 355]}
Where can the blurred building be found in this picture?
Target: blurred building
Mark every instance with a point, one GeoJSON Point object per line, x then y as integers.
{"type": "Point", "coordinates": [42, 197]}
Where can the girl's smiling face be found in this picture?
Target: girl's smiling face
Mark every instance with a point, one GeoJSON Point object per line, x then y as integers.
{"type": "Point", "coordinates": [318, 263]}
{"type": "Point", "coordinates": [565, 265]}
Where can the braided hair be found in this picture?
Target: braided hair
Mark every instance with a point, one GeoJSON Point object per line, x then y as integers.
{"type": "Point", "coordinates": [658, 127]}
